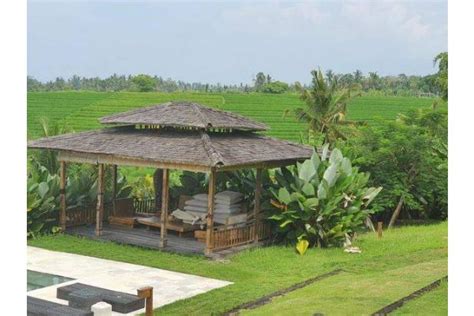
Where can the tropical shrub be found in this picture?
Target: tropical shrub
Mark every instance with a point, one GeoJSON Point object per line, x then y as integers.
{"type": "Point", "coordinates": [325, 107]}
{"type": "Point", "coordinates": [321, 202]}
{"type": "Point", "coordinates": [142, 188]}
{"type": "Point", "coordinates": [81, 190]}
{"type": "Point", "coordinates": [275, 87]}
{"type": "Point", "coordinates": [408, 158]}
{"type": "Point", "coordinates": [42, 202]}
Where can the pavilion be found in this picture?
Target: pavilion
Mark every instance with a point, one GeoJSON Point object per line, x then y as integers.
{"type": "Point", "coordinates": [180, 136]}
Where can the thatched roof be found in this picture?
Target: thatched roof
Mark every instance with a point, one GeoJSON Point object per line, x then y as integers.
{"type": "Point", "coordinates": [184, 114]}
{"type": "Point", "coordinates": [180, 149]}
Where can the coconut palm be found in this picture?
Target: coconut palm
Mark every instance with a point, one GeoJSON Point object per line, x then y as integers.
{"type": "Point", "coordinates": [442, 77]}
{"type": "Point", "coordinates": [326, 107]}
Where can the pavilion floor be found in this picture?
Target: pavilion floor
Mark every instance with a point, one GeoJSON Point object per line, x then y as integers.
{"type": "Point", "coordinates": [141, 237]}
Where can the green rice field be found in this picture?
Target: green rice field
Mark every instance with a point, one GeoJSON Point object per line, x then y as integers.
{"type": "Point", "coordinates": [81, 110]}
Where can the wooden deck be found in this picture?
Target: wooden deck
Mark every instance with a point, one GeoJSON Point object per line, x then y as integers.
{"type": "Point", "coordinates": [140, 237]}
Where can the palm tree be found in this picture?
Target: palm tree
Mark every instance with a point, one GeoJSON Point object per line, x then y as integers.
{"type": "Point", "coordinates": [358, 76]}
{"type": "Point", "coordinates": [374, 80]}
{"type": "Point", "coordinates": [326, 107]}
{"type": "Point", "coordinates": [442, 76]}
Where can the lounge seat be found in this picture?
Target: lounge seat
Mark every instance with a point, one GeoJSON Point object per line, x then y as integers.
{"type": "Point", "coordinates": [39, 307]}
{"type": "Point", "coordinates": [121, 302]}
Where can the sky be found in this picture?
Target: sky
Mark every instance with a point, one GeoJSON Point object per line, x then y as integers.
{"type": "Point", "coordinates": [230, 41]}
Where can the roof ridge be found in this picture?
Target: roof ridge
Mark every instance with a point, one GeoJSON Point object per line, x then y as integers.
{"type": "Point", "coordinates": [135, 111]}
{"type": "Point", "coordinates": [284, 141]}
{"type": "Point", "coordinates": [237, 116]}
{"type": "Point", "coordinates": [204, 119]}
{"type": "Point", "coordinates": [214, 155]}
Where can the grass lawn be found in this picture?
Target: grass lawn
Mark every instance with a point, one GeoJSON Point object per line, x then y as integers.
{"type": "Point", "coordinates": [433, 303]}
{"type": "Point", "coordinates": [404, 260]}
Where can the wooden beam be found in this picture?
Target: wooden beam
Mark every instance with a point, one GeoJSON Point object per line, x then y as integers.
{"type": "Point", "coordinates": [100, 201]}
{"type": "Point", "coordinates": [114, 188]}
{"type": "Point", "coordinates": [257, 202]}
{"type": "Point", "coordinates": [147, 293]}
{"type": "Point", "coordinates": [262, 165]}
{"type": "Point", "coordinates": [158, 187]}
{"type": "Point", "coordinates": [164, 208]}
{"type": "Point", "coordinates": [210, 212]}
{"type": "Point", "coordinates": [62, 195]}
{"type": "Point", "coordinates": [90, 158]}
{"type": "Point", "coordinates": [80, 157]}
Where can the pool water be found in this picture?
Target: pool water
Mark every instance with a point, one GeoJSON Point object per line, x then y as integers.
{"type": "Point", "coordinates": [37, 280]}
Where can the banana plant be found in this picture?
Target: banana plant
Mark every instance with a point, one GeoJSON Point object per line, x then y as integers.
{"type": "Point", "coordinates": [323, 200]}
{"type": "Point", "coordinates": [42, 202]}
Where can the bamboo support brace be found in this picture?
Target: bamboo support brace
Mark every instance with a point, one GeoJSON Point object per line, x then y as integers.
{"type": "Point", "coordinates": [62, 197]}
{"type": "Point", "coordinates": [257, 205]}
{"type": "Point", "coordinates": [100, 201]}
{"type": "Point", "coordinates": [210, 213]}
{"type": "Point", "coordinates": [164, 209]}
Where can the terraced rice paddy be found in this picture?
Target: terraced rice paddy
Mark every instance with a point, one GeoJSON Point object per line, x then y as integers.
{"type": "Point", "coordinates": [81, 110]}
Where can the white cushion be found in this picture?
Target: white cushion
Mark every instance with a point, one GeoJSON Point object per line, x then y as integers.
{"type": "Point", "coordinates": [224, 197]}
{"type": "Point", "coordinates": [220, 209]}
{"type": "Point", "coordinates": [229, 197]}
{"type": "Point", "coordinates": [194, 202]}
{"type": "Point", "coordinates": [200, 197]}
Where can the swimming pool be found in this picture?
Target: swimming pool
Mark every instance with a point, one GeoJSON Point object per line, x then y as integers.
{"type": "Point", "coordinates": [37, 280]}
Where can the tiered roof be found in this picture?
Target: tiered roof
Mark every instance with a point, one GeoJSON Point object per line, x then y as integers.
{"type": "Point", "coordinates": [177, 135]}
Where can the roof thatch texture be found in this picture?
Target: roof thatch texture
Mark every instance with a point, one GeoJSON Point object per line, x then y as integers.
{"type": "Point", "coordinates": [198, 148]}
{"type": "Point", "coordinates": [184, 114]}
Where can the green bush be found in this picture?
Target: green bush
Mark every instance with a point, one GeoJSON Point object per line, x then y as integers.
{"type": "Point", "coordinates": [323, 200]}
{"type": "Point", "coordinates": [408, 158]}
{"type": "Point", "coordinates": [275, 87]}
{"type": "Point", "coordinates": [42, 202]}
{"type": "Point", "coordinates": [81, 190]}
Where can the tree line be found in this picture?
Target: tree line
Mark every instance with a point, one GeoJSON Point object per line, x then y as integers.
{"type": "Point", "coordinates": [373, 83]}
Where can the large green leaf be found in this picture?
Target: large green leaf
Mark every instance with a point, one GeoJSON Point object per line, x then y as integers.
{"type": "Point", "coordinates": [315, 159]}
{"type": "Point", "coordinates": [325, 152]}
{"type": "Point", "coordinates": [322, 190]}
{"type": "Point", "coordinates": [308, 189]}
{"type": "Point", "coordinates": [370, 195]}
{"type": "Point", "coordinates": [284, 196]}
{"type": "Point", "coordinates": [311, 203]}
{"type": "Point", "coordinates": [306, 170]}
{"type": "Point", "coordinates": [330, 175]}
{"type": "Point", "coordinates": [335, 157]}
{"type": "Point", "coordinates": [43, 188]}
{"type": "Point", "coordinates": [346, 166]}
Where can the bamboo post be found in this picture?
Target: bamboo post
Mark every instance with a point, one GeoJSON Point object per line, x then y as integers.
{"type": "Point", "coordinates": [210, 212]}
{"type": "Point", "coordinates": [100, 201]}
{"type": "Point", "coordinates": [158, 186]}
{"type": "Point", "coordinates": [114, 188]}
{"type": "Point", "coordinates": [379, 229]}
{"type": "Point", "coordinates": [257, 202]}
{"type": "Point", "coordinates": [62, 195]}
{"type": "Point", "coordinates": [164, 209]}
{"type": "Point", "coordinates": [147, 293]}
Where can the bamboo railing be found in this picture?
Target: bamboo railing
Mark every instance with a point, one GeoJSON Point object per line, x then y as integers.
{"type": "Point", "coordinates": [144, 207]}
{"type": "Point", "coordinates": [86, 215]}
{"type": "Point", "coordinates": [227, 237]}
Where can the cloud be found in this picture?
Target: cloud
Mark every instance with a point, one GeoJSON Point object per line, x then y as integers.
{"type": "Point", "coordinates": [387, 18]}
{"type": "Point", "coordinates": [275, 16]}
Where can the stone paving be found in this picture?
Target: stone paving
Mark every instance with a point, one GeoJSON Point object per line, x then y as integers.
{"type": "Point", "coordinates": [167, 286]}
